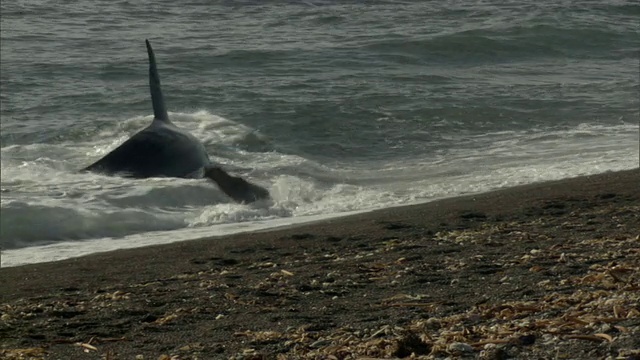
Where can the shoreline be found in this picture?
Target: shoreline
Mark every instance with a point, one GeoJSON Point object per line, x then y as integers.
{"type": "Point", "coordinates": [384, 283]}
{"type": "Point", "coordinates": [294, 224]}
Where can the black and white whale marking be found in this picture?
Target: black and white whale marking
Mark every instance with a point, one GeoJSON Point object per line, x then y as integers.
{"type": "Point", "coordinates": [164, 150]}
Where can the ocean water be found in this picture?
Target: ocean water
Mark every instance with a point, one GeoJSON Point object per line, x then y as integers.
{"type": "Point", "coordinates": [335, 106]}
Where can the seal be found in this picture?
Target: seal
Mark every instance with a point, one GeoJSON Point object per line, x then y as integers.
{"type": "Point", "coordinates": [164, 150]}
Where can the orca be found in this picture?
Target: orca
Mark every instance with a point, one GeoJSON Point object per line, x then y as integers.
{"type": "Point", "coordinates": [162, 149]}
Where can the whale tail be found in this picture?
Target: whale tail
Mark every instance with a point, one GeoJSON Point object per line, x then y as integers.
{"type": "Point", "coordinates": [159, 108]}
{"type": "Point", "coordinates": [236, 188]}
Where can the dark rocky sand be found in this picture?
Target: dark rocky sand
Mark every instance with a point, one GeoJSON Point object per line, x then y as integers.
{"type": "Point", "coordinates": [543, 271]}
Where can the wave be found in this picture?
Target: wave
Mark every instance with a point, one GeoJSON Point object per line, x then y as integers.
{"type": "Point", "coordinates": [505, 44]}
{"type": "Point", "coordinates": [44, 199]}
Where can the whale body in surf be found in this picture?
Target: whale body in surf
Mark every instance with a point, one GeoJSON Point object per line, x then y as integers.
{"type": "Point", "coordinates": [164, 150]}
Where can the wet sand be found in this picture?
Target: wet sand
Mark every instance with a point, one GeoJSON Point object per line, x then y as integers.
{"type": "Point", "coordinates": [548, 270]}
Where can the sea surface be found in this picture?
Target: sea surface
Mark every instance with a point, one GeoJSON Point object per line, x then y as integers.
{"type": "Point", "coordinates": [335, 106]}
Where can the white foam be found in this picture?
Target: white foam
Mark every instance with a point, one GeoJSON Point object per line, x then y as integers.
{"type": "Point", "coordinates": [78, 214]}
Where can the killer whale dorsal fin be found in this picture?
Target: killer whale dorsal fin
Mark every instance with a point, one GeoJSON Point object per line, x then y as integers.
{"type": "Point", "coordinates": [159, 108]}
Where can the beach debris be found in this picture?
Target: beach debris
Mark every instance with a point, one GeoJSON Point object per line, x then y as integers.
{"type": "Point", "coordinates": [86, 346]}
{"type": "Point", "coordinates": [260, 336]}
{"type": "Point", "coordinates": [167, 318]}
{"type": "Point", "coordinates": [34, 353]}
{"type": "Point", "coordinates": [285, 272]}
{"type": "Point", "coordinates": [117, 295]}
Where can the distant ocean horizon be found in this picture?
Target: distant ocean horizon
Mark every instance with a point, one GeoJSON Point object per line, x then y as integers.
{"type": "Point", "coordinates": [335, 107]}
